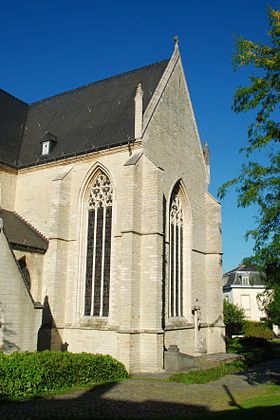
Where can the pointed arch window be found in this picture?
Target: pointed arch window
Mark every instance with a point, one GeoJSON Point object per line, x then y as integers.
{"type": "Point", "coordinates": [97, 283]}
{"type": "Point", "coordinates": [176, 228]}
{"type": "Point", "coordinates": [25, 272]}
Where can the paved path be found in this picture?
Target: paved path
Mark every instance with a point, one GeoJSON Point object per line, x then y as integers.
{"type": "Point", "coordinates": [146, 397]}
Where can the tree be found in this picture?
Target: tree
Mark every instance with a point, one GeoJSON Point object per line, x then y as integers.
{"type": "Point", "coordinates": [269, 301]}
{"type": "Point", "coordinates": [259, 183]}
{"type": "Point", "coordinates": [234, 318]}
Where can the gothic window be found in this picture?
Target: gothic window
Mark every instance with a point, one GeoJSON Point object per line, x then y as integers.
{"type": "Point", "coordinates": [25, 272]}
{"type": "Point", "coordinates": [97, 284]}
{"type": "Point", "coordinates": [176, 256]}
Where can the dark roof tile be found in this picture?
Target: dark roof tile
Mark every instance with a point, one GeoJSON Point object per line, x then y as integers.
{"type": "Point", "coordinates": [12, 119]}
{"type": "Point", "coordinates": [20, 234]}
{"type": "Point", "coordinates": [94, 116]}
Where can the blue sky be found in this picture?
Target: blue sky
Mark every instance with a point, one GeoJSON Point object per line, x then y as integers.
{"type": "Point", "coordinates": [51, 46]}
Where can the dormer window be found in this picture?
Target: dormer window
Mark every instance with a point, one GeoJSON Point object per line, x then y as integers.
{"type": "Point", "coordinates": [46, 147]}
{"type": "Point", "coordinates": [245, 281]}
{"type": "Point", "coordinates": [48, 143]}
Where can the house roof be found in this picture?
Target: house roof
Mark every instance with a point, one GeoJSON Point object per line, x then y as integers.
{"type": "Point", "coordinates": [20, 234]}
{"type": "Point", "coordinates": [234, 276]}
{"type": "Point", "coordinates": [92, 117]}
{"type": "Point", "coordinates": [242, 267]}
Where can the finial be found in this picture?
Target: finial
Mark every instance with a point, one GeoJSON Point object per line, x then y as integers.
{"type": "Point", "coordinates": [139, 90]}
{"type": "Point", "coordinates": [176, 40]}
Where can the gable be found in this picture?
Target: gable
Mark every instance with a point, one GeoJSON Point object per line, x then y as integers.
{"type": "Point", "coordinates": [169, 124]}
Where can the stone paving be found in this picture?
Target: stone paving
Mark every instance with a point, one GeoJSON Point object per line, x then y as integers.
{"type": "Point", "coordinates": [146, 397]}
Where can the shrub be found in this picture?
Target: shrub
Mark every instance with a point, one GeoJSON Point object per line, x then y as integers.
{"type": "Point", "coordinates": [234, 318]}
{"type": "Point", "coordinates": [233, 345]}
{"type": "Point", "coordinates": [257, 329]}
{"type": "Point", "coordinates": [26, 374]}
{"type": "Point", "coordinates": [254, 342]}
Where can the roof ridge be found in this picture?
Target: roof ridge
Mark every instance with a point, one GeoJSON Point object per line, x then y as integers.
{"type": "Point", "coordinates": [14, 97]}
{"type": "Point", "coordinates": [97, 82]}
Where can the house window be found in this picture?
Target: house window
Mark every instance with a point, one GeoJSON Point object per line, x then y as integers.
{"type": "Point", "coordinates": [245, 302]}
{"type": "Point", "coordinates": [176, 256]}
{"type": "Point", "coordinates": [245, 281]}
{"type": "Point", "coordinates": [97, 284]}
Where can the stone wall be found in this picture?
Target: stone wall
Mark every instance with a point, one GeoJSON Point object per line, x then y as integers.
{"type": "Point", "coordinates": [19, 318]}
{"type": "Point", "coordinates": [172, 143]}
{"type": "Point", "coordinates": [53, 198]}
{"type": "Point", "coordinates": [8, 179]}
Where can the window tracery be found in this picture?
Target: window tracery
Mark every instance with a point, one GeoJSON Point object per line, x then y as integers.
{"type": "Point", "coordinates": [101, 193]}
{"type": "Point", "coordinates": [97, 286]}
{"type": "Point", "coordinates": [176, 255]}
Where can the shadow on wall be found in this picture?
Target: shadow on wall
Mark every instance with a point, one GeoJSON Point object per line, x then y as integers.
{"type": "Point", "coordinates": [48, 335]}
{"type": "Point", "coordinates": [7, 344]}
{"type": "Point", "coordinates": [7, 335]}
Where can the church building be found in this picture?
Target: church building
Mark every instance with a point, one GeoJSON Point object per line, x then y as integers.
{"type": "Point", "coordinates": [109, 239]}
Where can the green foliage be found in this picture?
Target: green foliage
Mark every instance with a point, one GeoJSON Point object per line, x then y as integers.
{"type": "Point", "coordinates": [207, 375]}
{"type": "Point", "coordinates": [258, 330]}
{"type": "Point", "coordinates": [270, 302]}
{"type": "Point", "coordinates": [253, 349]}
{"type": "Point", "coordinates": [26, 374]}
{"type": "Point", "coordinates": [234, 318]}
{"type": "Point", "coordinates": [260, 184]}
{"type": "Point", "coordinates": [233, 345]}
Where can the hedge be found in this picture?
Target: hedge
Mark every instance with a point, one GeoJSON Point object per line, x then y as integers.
{"type": "Point", "coordinates": [257, 329]}
{"type": "Point", "coordinates": [31, 373]}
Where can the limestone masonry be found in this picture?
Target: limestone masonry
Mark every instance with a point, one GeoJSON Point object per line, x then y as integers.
{"type": "Point", "coordinates": [110, 242]}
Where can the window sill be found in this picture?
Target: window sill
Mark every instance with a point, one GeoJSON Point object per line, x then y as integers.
{"type": "Point", "coordinates": [178, 323]}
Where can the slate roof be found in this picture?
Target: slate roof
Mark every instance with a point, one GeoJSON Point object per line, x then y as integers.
{"type": "Point", "coordinates": [234, 276]}
{"type": "Point", "coordinates": [12, 119]}
{"type": "Point", "coordinates": [95, 116]}
{"type": "Point", "coordinates": [242, 267]}
{"type": "Point", "coordinates": [20, 234]}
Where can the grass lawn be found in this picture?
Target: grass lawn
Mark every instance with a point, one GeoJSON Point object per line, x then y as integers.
{"type": "Point", "coordinates": [253, 350]}
{"type": "Point", "coordinates": [269, 397]}
{"type": "Point", "coordinates": [264, 404]}
{"type": "Point", "coordinates": [206, 375]}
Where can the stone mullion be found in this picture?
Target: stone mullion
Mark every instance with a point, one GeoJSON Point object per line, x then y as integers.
{"type": "Point", "coordinates": [181, 269]}
{"type": "Point", "coordinates": [107, 258]}
{"type": "Point", "coordinates": [93, 262]}
{"type": "Point", "coordinates": [174, 273]}
{"type": "Point", "coordinates": [102, 262]}
{"type": "Point", "coordinates": [98, 262]}
{"type": "Point", "coordinates": [89, 268]}
{"type": "Point", "coordinates": [171, 281]}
